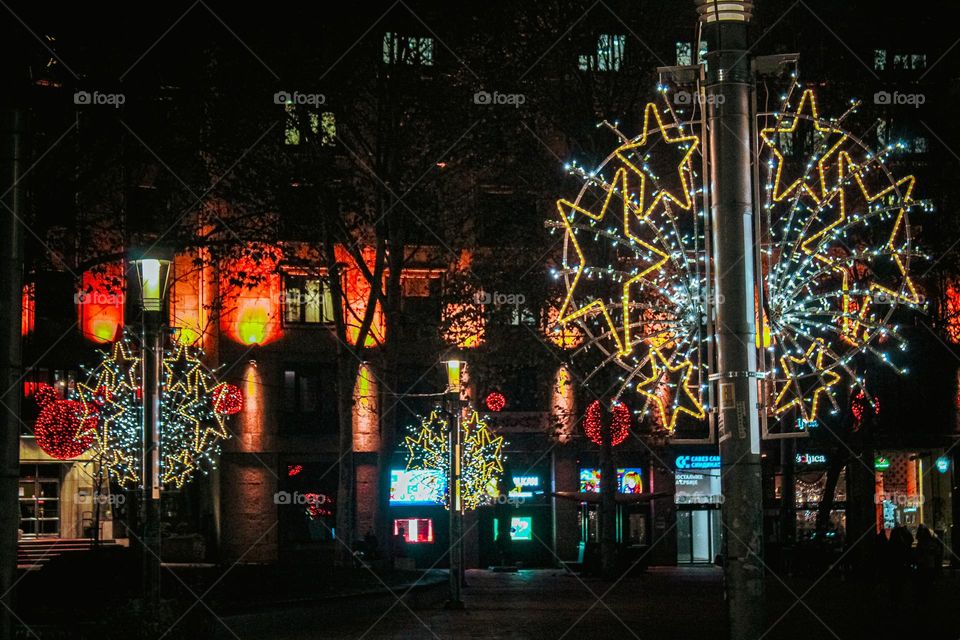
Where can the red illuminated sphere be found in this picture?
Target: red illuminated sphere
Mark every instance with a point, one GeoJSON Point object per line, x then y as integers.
{"type": "Point", "coordinates": [57, 427]}
{"type": "Point", "coordinates": [495, 401]}
{"type": "Point", "coordinates": [619, 427]}
{"type": "Point", "coordinates": [227, 398]}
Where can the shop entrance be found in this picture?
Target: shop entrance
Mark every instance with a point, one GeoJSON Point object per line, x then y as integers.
{"type": "Point", "coordinates": [698, 535]}
{"type": "Point", "coordinates": [40, 500]}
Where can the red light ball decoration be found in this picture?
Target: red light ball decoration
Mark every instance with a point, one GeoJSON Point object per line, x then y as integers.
{"type": "Point", "coordinates": [860, 405]}
{"type": "Point", "coordinates": [227, 399]}
{"type": "Point", "coordinates": [45, 394]}
{"type": "Point", "coordinates": [495, 401]}
{"type": "Point", "coordinates": [58, 425]}
{"type": "Point", "coordinates": [619, 429]}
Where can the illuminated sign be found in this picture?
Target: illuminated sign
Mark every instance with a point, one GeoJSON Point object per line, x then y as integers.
{"type": "Point", "coordinates": [697, 462]}
{"type": "Point", "coordinates": [803, 425]}
{"type": "Point", "coordinates": [943, 464]}
{"type": "Point", "coordinates": [881, 463]}
{"type": "Point", "coordinates": [811, 458]}
{"type": "Point", "coordinates": [521, 528]}
{"type": "Point", "coordinates": [414, 530]}
{"type": "Point", "coordinates": [629, 480]}
{"type": "Point", "coordinates": [525, 486]}
{"type": "Point", "coordinates": [416, 487]}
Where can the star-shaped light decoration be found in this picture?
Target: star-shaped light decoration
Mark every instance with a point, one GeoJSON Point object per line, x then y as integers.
{"type": "Point", "coordinates": [806, 401]}
{"type": "Point", "coordinates": [687, 143]}
{"type": "Point", "coordinates": [685, 401]}
{"type": "Point", "coordinates": [177, 469]}
{"type": "Point", "coordinates": [657, 258]}
{"type": "Point", "coordinates": [481, 457]}
{"type": "Point", "coordinates": [771, 135]}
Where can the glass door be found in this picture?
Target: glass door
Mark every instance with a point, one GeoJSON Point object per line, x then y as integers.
{"type": "Point", "coordinates": [40, 501]}
{"type": "Point", "coordinates": [698, 535]}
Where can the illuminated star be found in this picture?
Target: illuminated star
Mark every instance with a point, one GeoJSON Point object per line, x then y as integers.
{"type": "Point", "coordinates": [772, 141]}
{"type": "Point", "coordinates": [682, 200]}
{"type": "Point", "coordinates": [568, 211]}
{"type": "Point", "coordinates": [686, 402]}
{"type": "Point", "coordinates": [802, 400]}
{"type": "Point", "coordinates": [181, 369]}
{"type": "Point", "coordinates": [177, 469]}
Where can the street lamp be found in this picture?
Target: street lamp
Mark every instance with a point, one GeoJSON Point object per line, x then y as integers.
{"type": "Point", "coordinates": [153, 269]}
{"type": "Point", "coordinates": [455, 367]}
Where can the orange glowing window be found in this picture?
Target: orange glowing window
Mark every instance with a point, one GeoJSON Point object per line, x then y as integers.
{"type": "Point", "coordinates": [951, 312]}
{"type": "Point", "coordinates": [250, 296]}
{"type": "Point", "coordinates": [356, 289]}
{"type": "Point", "coordinates": [189, 295]}
{"type": "Point", "coordinates": [28, 310]}
{"type": "Point", "coordinates": [565, 336]}
{"type": "Point", "coordinates": [100, 302]}
{"type": "Point", "coordinates": [464, 325]}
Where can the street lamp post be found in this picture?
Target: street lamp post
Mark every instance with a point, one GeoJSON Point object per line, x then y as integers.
{"type": "Point", "coordinates": [730, 119]}
{"type": "Point", "coordinates": [454, 407]}
{"type": "Point", "coordinates": [152, 278]}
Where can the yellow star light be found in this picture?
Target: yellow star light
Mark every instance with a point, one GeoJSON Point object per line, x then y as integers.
{"type": "Point", "coordinates": [682, 200]}
{"type": "Point", "coordinates": [827, 380]}
{"type": "Point", "coordinates": [780, 192]}
{"type": "Point", "coordinates": [178, 469]}
{"type": "Point", "coordinates": [624, 345]}
{"type": "Point", "coordinates": [657, 373]}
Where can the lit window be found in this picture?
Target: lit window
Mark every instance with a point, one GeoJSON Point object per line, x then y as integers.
{"type": "Point", "coordinates": [322, 126]}
{"type": "Point", "coordinates": [919, 145]}
{"type": "Point", "coordinates": [702, 52]}
{"type": "Point", "coordinates": [910, 61]}
{"type": "Point", "coordinates": [918, 60]}
{"type": "Point", "coordinates": [519, 314]}
{"type": "Point", "coordinates": [880, 59]}
{"type": "Point", "coordinates": [684, 53]}
{"type": "Point", "coordinates": [610, 52]}
{"type": "Point", "coordinates": [786, 143]}
{"type": "Point", "coordinates": [307, 300]}
{"type": "Point", "coordinates": [414, 530]}
{"type": "Point", "coordinates": [412, 50]}
{"type": "Point", "coordinates": [882, 133]}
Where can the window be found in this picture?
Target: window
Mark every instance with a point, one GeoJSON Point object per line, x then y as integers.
{"type": "Point", "coordinates": [318, 126]}
{"type": "Point", "coordinates": [420, 302]}
{"type": "Point", "coordinates": [882, 133]}
{"type": "Point", "coordinates": [786, 143]}
{"type": "Point", "coordinates": [521, 314]}
{"type": "Point", "coordinates": [880, 59]}
{"type": "Point", "coordinates": [307, 300]}
{"type": "Point", "coordinates": [919, 145]}
{"type": "Point", "coordinates": [684, 53]}
{"type": "Point", "coordinates": [412, 50]}
{"type": "Point", "coordinates": [414, 530]}
{"type": "Point", "coordinates": [309, 401]}
{"type": "Point", "coordinates": [609, 54]}
{"type": "Point", "coordinates": [910, 61]}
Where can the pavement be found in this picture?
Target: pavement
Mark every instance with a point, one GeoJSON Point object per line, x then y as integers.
{"type": "Point", "coordinates": [667, 603]}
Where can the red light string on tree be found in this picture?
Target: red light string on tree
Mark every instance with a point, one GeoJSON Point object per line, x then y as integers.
{"type": "Point", "coordinates": [619, 428]}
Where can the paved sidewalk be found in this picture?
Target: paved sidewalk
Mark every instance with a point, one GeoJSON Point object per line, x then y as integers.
{"type": "Point", "coordinates": [665, 603]}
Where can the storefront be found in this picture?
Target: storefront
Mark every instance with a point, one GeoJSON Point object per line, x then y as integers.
{"type": "Point", "coordinates": [698, 498]}
{"type": "Point", "coordinates": [633, 515]}
{"type": "Point", "coordinates": [528, 508]}
{"type": "Point", "coordinates": [914, 488]}
{"type": "Point", "coordinates": [419, 517]}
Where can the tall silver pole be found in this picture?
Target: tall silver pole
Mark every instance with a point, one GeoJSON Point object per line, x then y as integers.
{"type": "Point", "coordinates": [728, 93]}
{"type": "Point", "coordinates": [455, 406]}
{"type": "Point", "coordinates": [152, 355]}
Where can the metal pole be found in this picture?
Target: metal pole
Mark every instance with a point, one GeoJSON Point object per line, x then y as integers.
{"type": "Point", "coordinates": [455, 504]}
{"type": "Point", "coordinates": [11, 275]}
{"type": "Point", "coordinates": [730, 120]}
{"type": "Point", "coordinates": [152, 356]}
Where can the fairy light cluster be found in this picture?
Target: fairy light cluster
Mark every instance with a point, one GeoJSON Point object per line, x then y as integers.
{"type": "Point", "coordinates": [633, 267]}
{"type": "Point", "coordinates": [193, 407]}
{"type": "Point", "coordinates": [834, 244]}
{"type": "Point", "coordinates": [836, 250]}
{"type": "Point", "coordinates": [481, 457]}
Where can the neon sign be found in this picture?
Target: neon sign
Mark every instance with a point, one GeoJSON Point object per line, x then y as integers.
{"type": "Point", "coordinates": [697, 462]}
